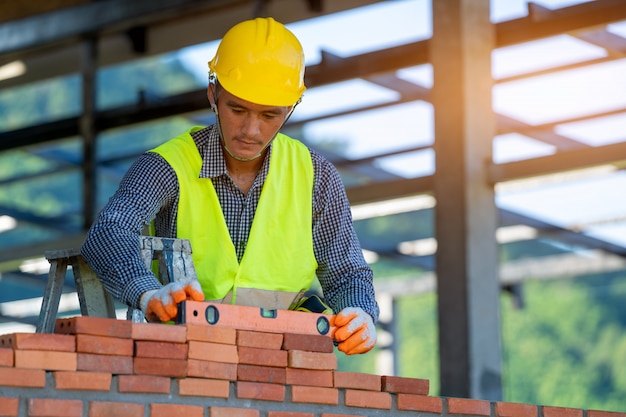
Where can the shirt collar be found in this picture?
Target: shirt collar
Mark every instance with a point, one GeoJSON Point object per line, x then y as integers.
{"type": "Point", "coordinates": [213, 162]}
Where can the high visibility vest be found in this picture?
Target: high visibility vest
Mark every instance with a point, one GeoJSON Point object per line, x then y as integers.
{"type": "Point", "coordinates": [278, 263]}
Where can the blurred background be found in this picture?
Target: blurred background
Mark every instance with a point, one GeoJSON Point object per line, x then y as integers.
{"type": "Point", "coordinates": [482, 145]}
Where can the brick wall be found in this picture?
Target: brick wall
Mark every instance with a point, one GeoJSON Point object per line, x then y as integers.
{"type": "Point", "coordinates": [100, 367]}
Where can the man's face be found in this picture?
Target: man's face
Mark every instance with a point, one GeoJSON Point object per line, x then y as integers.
{"type": "Point", "coordinates": [248, 127]}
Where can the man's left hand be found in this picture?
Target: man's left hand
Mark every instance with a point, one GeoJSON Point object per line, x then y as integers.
{"type": "Point", "coordinates": [354, 330]}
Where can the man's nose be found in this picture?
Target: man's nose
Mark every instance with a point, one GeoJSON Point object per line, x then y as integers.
{"type": "Point", "coordinates": [251, 126]}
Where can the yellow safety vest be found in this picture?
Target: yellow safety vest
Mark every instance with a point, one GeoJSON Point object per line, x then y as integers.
{"type": "Point", "coordinates": [278, 264]}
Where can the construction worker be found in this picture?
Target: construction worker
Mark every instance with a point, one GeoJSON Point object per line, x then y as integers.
{"type": "Point", "coordinates": [264, 214]}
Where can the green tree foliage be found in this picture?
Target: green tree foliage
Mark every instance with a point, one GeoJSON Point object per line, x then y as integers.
{"type": "Point", "coordinates": [39, 102]}
{"type": "Point", "coordinates": [50, 174]}
{"type": "Point", "coordinates": [147, 79]}
{"type": "Point", "coordinates": [418, 339]}
{"type": "Point", "coordinates": [566, 347]}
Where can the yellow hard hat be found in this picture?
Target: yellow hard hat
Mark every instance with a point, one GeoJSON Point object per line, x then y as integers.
{"type": "Point", "coordinates": [261, 61]}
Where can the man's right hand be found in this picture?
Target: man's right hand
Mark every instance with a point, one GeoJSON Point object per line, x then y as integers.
{"type": "Point", "coordinates": [354, 330]}
{"type": "Point", "coordinates": [161, 304]}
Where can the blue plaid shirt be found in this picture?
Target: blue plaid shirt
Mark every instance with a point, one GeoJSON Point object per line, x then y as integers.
{"type": "Point", "coordinates": [149, 190]}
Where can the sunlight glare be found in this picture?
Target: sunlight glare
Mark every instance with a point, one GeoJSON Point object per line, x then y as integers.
{"type": "Point", "coordinates": [514, 147]}
{"type": "Point", "coordinates": [542, 54]}
{"type": "Point", "coordinates": [564, 95]}
{"type": "Point", "coordinates": [596, 132]}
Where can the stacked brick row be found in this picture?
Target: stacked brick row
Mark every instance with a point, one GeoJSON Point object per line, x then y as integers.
{"type": "Point", "coordinates": [100, 367]}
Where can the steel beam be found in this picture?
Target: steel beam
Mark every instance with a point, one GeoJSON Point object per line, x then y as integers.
{"type": "Point", "coordinates": [380, 191]}
{"type": "Point", "coordinates": [74, 22]}
{"type": "Point", "coordinates": [468, 290]}
{"type": "Point", "coordinates": [163, 36]}
{"type": "Point", "coordinates": [107, 119]}
{"type": "Point", "coordinates": [614, 154]}
{"type": "Point", "coordinates": [8, 259]}
{"type": "Point", "coordinates": [561, 234]}
{"type": "Point", "coordinates": [87, 125]}
{"type": "Point", "coordinates": [168, 25]}
{"type": "Point", "coordinates": [550, 267]}
{"type": "Point", "coordinates": [543, 23]}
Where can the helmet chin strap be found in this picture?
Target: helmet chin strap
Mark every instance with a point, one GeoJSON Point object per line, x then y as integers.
{"type": "Point", "coordinates": [252, 158]}
{"type": "Point", "coordinates": [231, 153]}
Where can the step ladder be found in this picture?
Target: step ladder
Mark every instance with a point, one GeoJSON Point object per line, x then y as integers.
{"type": "Point", "coordinates": [174, 264]}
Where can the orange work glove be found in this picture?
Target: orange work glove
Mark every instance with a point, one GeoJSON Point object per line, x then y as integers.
{"type": "Point", "coordinates": [354, 330]}
{"type": "Point", "coordinates": [161, 304]}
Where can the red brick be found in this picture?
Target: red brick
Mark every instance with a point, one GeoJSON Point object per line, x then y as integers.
{"type": "Point", "coordinates": [312, 360]}
{"type": "Point", "coordinates": [214, 370]}
{"type": "Point", "coordinates": [167, 350]}
{"type": "Point", "coordinates": [159, 332]}
{"type": "Point", "coordinates": [368, 399]}
{"type": "Point", "coordinates": [97, 326]}
{"type": "Point", "coordinates": [289, 414]}
{"type": "Point", "coordinates": [48, 360]}
{"type": "Point", "coordinates": [162, 367]}
{"type": "Point", "coordinates": [232, 412]}
{"type": "Point", "coordinates": [561, 412]}
{"type": "Point", "coordinates": [50, 407]}
{"type": "Point", "coordinates": [176, 410]}
{"type": "Point", "coordinates": [423, 403]}
{"type": "Point", "coordinates": [308, 342]}
{"type": "Point", "coordinates": [262, 357]}
{"type": "Point", "coordinates": [19, 377]}
{"type": "Point", "coordinates": [309, 377]}
{"type": "Point", "coordinates": [215, 352]}
{"type": "Point", "coordinates": [206, 333]}
{"type": "Point", "coordinates": [515, 410]}
{"type": "Point", "coordinates": [341, 415]}
{"type": "Point", "coordinates": [203, 387]}
{"type": "Point", "coordinates": [356, 380]}
{"type": "Point", "coordinates": [398, 384]}
{"type": "Point", "coordinates": [598, 413]}
{"type": "Point", "coordinates": [255, 373]}
{"type": "Point", "coordinates": [86, 381]}
{"type": "Point", "coordinates": [260, 391]}
{"type": "Point", "coordinates": [39, 341]}
{"type": "Point", "coordinates": [469, 407]}
{"type": "Point", "coordinates": [144, 384]}
{"type": "Point", "coordinates": [104, 345]}
{"type": "Point", "coordinates": [105, 363]}
{"type": "Point", "coordinates": [115, 409]}
{"type": "Point", "coordinates": [6, 357]}
{"type": "Point", "coordinates": [259, 339]}
{"type": "Point", "coordinates": [316, 395]}
{"type": "Point", "coordinates": [9, 407]}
